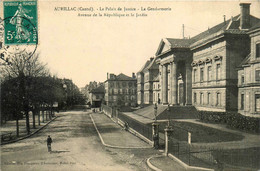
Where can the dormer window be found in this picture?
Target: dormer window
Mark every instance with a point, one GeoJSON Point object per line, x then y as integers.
{"type": "Point", "coordinates": [257, 49]}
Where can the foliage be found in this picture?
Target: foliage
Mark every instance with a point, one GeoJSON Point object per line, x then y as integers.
{"type": "Point", "coordinates": [232, 119]}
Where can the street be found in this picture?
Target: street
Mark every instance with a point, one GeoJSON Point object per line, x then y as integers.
{"type": "Point", "coordinates": [76, 146]}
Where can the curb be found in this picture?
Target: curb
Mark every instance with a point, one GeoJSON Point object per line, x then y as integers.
{"type": "Point", "coordinates": [150, 165]}
{"type": "Point", "coordinates": [111, 146]}
{"type": "Point", "coordinates": [187, 166]}
{"type": "Point", "coordinates": [27, 136]}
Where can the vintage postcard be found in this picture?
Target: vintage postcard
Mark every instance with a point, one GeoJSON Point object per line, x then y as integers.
{"type": "Point", "coordinates": [129, 85]}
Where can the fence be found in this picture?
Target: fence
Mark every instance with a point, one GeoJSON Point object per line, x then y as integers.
{"type": "Point", "coordinates": [108, 110]}
{"type": "Point", "coordinates": [144, 129]}
{"type": "Point", "coordinates": [141, 128]}
{"type": "Point", "coordinates": [217, 158]}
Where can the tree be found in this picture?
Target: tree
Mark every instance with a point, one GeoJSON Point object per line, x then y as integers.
{"type": "Point", "coordinates": [21, 69]}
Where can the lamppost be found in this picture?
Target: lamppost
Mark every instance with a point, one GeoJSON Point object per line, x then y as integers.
{"type": "Point", "coordinates": [155, 112]}
{"type": "Point", "coordinates": [168, 130]}
{"type": "Point", "coordinates": [168, 114]}
{"type": "Point", "coordinates": [155, 126]}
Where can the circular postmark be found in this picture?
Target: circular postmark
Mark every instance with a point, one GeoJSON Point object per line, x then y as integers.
{"type": "Point", "coordinates": [17, 38]}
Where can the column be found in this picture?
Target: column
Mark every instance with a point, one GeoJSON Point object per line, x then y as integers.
{"type": "Point", "coordinates": [164, 85]}
{"type": "Point", "coordinates": [188, 82]}
{"type": "Point", "coordinates": [167, 131]}
{"type": "Point", "coordinates": [174, 83]}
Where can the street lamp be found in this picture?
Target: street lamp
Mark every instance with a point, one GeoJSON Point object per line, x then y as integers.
{"type": "Point", "coordinates": [168, 114]}
{"type": "Point", "coordinates": [155, 112]}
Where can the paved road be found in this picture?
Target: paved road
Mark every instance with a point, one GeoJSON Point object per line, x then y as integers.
{"type": "Point", "coordinates": [76, 146]}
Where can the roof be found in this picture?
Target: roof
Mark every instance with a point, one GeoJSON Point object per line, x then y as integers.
{"type": "Point", "coordinates": [145, 65]}
{"type": "Point", "coordinates": [256, 26]}
{"type": "Point", "coordinates": [230, 26]}
{"type": "Point", "coordinates": [180, 43]}
{"type": "Point", "coordinates": [245, 61]}
{"type": "Point", "coordinates": [122, 77]}
{"type": "Point", "coordinates": [152, 65]}
{"type": "Point", "coordinates": [99, 89]}
{"type": "Point", "coordinates": [173, 43]}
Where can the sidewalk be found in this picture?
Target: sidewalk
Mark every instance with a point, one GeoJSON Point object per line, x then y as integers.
{"type": "Point", "coordinates": [112, 135]}
{"type": "Point", "coordinates": [10, 127]}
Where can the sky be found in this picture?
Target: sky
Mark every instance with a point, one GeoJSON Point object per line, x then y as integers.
{"type": "Point", "coordinates": [84, 49]}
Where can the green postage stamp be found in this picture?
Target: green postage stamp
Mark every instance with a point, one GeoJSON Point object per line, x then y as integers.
{"type": "Point", "coordinates": [20, 23]}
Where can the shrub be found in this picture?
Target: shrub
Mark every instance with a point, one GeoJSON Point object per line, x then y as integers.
{"type": "Point", "coordinates": [232, 119]}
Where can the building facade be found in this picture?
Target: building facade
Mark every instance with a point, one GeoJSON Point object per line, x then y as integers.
{"type": "Point", "coordinates": [96, 96]}
{"type": "Point", "coordinates": [249, 78]}
{"type": "Point", "coordinates": [174, 58]}
{"type": "Point", "coordinates": [145, 79]}
{"type": "Point", "coordinates": [150, 72]}
{"type": "Point", "coordinates": [203, 70]}
{"type": "Point", "coordinates": [121, 90]}
{"type": "Point", "coordinates": [216, 55]}
{"type": "Point", "coordinates": [156, 90]}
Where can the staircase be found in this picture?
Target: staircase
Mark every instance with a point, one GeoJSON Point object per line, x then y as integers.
{"type": "Point", "coordinates": [179, 112]}
{"type": "Point", "coordinates": [148, 112]}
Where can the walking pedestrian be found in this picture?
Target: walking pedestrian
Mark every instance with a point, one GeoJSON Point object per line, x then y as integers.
{"type": "Point", "coordinates": [49, 141]}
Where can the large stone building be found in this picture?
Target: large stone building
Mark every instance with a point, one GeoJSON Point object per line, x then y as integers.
{"type": "Point", "coordinates": [174, 58]}
{"type": "Point", "coordinates": [216, 55]}
{"type": "Point", "coordinates": [249, 77]}
{"type": "Point", "coordinates": [202, 71]}
{"type": "Point", "coordinates": [120, 90]}
{"type": "Point", "coordinates": [145, 79]}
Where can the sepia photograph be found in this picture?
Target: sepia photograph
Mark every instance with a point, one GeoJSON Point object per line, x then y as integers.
{"type": "Point", "coordinates": [130, 85]}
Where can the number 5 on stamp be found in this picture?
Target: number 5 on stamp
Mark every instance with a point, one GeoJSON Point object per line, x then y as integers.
{"type": "Point", "coordinates": [20, 24]}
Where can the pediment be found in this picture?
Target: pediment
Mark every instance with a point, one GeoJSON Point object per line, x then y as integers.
{"type": "Point", "coordinates": [163, 47]}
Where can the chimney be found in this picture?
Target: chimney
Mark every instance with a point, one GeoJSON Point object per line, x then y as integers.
{"type": "Point", "coordinates": [224, 19]}
{"type": "Point", "coordinates": [151, 59]}
{"type": "Point", "coordinates": [107, 75]}
{"type": "Point", "coordinates": [133, 75]}
{"type": "Point", "coordinates": [244, 15]}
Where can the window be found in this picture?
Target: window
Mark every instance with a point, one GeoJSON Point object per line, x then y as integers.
{"type": "Point", "coordinates": [257, 102]}
{"type": "Point", "coordinates": [195, 97]}
{"type": "Point", "coordinates": [218, 72]}
{"type": "Point", "coordinates": [201, 74]}
{"type": "Point", "coordinates": [209, 73]}
{"type": "Point", "coordinates": [242, 102]}
{"type": "Point", "coordinates": [242, 79]}
{"type": "Point", "coordinates": [257, 49]}
{"type": "Point", "coordinates": [209, 98]}
{"type": "Point", "coordinates": [218, 99]}
{"type": "Point", "coordinates": [97, 97]}
{"type": "Point", "coordinates": [195, 75]}
{"type": "Point", "coordinates": [201, 98]}
{"type": "Point", "coordinates": [257, 75]}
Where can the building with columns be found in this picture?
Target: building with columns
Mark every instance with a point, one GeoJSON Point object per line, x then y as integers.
{"type": "Point", "coordinates": [249, 77]}
{"type": "Point", "coordinates": [174, 58]}
{"type": "Point", "coordinates": [217, 70]}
